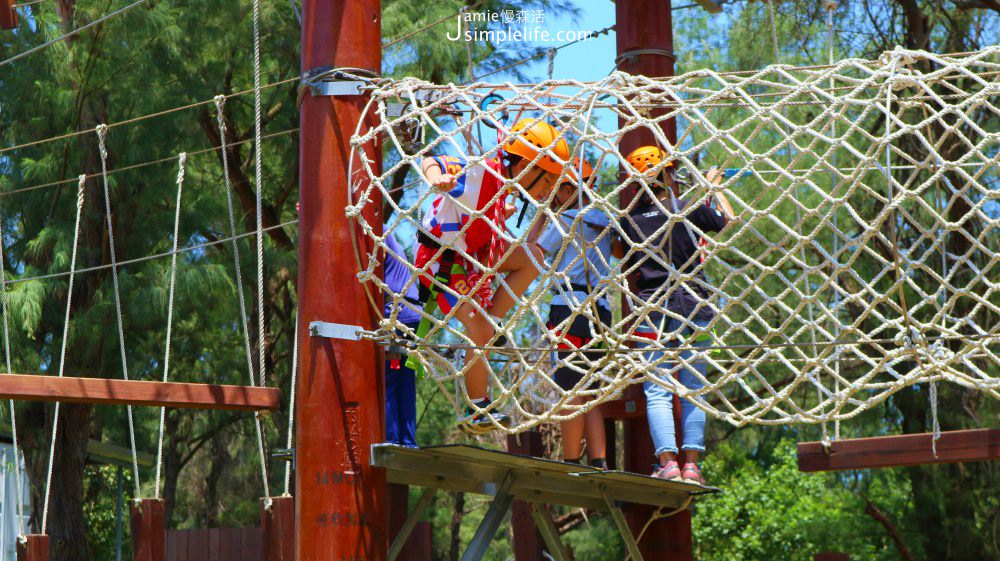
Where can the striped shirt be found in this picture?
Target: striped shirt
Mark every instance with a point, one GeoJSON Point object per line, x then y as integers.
{"type": "Point", "coordinates": [476, 188]}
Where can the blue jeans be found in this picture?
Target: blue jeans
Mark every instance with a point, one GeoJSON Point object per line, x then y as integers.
{"type": "Point", "coordinates": [400, 399]}
{"type": "Point", "coordinates": [660, 400]}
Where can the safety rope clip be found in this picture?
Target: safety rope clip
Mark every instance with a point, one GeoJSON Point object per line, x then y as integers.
{"type": "Point", "coordinates": [395, 109]}
{"type": "Point", "coordinates": [335, 330]}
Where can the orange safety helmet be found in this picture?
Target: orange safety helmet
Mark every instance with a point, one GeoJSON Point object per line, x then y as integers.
{"type": "Point", "coordinates": [588, 170]}
{"type": "Point", "coordinates": [646, 158]}
{"type": "Point", "coordinates": [536, 136]}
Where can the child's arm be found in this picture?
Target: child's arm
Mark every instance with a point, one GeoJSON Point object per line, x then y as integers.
{"type": "Point", "coordinates": [436, 177]}
{"type": "Point", "coordinates": [714, 176]}
{"type": "Point", "coordinates": [617, 248]}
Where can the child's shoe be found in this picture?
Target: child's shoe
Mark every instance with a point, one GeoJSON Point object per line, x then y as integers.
{"type": "Point", "coordinates": [669, 472]}
{"type": "Point", "coordinates": [692, 474]}
{"type": "Point", "coordinates": [477, 424]}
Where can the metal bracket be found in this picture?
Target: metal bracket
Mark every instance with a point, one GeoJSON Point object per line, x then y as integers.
{"type": "Point", "coordinates": [286, 454]}
{"type": "Point", "coordinates": [327, 81]}
{"type": "Point", "coordinates": [335, 330]}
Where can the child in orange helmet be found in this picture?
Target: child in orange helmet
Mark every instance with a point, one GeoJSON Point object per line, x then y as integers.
{"type": "Point", "coordinates": [673, 252]}
{"type": "Point", "coordinates": [451, 228]}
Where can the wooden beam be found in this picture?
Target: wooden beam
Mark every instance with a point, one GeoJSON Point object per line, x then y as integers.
{"type": "Point", "coordinates": [977, 445]}
{"type": "Point", "coordinates": [149, 530]}
{"type": "Point", "coordinates": [277, 526]}
{"type": "Point", "coordinates": [135, 392]}
{"type": "Point", "coordinates": [35, 547]}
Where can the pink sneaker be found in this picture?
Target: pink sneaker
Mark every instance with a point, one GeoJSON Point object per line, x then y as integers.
{"type": "Point", "coordinates": [692, 474]}
{"type": "Point", "coordinates": [670, 471]}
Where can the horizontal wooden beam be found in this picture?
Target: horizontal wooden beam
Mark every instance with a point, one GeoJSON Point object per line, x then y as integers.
{"type": "Point", "coordinates": [976, 445]}
{"type": "Point", "coordinates": [134, 392]}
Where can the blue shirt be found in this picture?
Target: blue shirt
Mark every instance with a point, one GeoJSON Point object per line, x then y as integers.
{"type": "Point", "coordinates": [397, 275]}
{"type": "Point", "coordinates": [594, 228]}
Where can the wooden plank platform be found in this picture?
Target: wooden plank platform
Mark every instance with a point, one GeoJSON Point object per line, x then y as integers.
{"type": "Point", "coordinates": [976, 445]}
{"type": "Point", "coordinates": [135, 392]}
{"type": "Point", "coordinates": [470, 469]}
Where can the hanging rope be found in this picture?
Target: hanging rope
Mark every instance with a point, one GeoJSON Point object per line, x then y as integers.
{"type": "Point", "coordinates": [18, 456]}
{"type": "Point", "coordinates": [170, 316]}
{"type": "Point", "coordinates": [830, 6]}
{"type": "Point", "coordinates": [62, 348]}
{"type": "Point", "coordinates": [259, 183]}
{"type": "Point", "coordinates": [774, 31]}
{"type": "Point", "coordinates": [102, 131]}
{"type": "Point", "coordinates": [291, 405]}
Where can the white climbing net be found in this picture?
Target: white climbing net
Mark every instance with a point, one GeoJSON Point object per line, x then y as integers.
{"type": "Point", "coordinates": [863, 259]}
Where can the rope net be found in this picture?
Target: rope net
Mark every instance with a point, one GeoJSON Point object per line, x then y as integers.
{"type": "Point", "coordinates": [862, 258]}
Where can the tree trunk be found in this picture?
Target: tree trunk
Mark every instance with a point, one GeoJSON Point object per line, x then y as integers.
{"type": "Point", "coordinates": [455, 544]}
{"type": "Point", "coordinates": [67, 527]}
{"type": "Point", "coordinates": [171, 464]}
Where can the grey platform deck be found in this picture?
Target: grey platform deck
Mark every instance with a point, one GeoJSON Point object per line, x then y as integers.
{"type": "Point", "coordinates": [470, 469]}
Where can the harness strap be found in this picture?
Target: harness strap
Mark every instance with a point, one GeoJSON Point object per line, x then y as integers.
{"type": "Point", "coordinates": [429, 296]}
{"type": "Point", "coordinates": [570, 341]}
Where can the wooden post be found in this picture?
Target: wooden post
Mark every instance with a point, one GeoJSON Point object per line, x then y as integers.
{"type": "Point", "coordinates": [528, 543]}
{"type": "Point", "coordinates": [644, 40]}
{"type": "Point", "coordinates": [418, 546]}
{"type": "Point", "coordinates": [340, 497]}
{"type": "Point", "coordinates": [34, 548]}
{"type": "Point", "coordinates": [8, 15]}
{"type": "Point", "coordinates": [277, 527]}
{"type": "Point", "coordinates": [149, 533]}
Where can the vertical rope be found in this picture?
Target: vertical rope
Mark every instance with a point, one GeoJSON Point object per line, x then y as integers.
{"type": "Point", "coordinates": [102, 132]}
{"type": "Point", "coordinates": [258, 180]}
{"type": "Point", "coordinates": [470, 65]}
{"type": "Point", "coordinates": [62, 349]}
{"type": "Point", "coordinates": [18, 457]}
{"type": "Point", "coordinates": [291, 405]}
{"type": "Point", "coordinates": [774, 31]}
{"type": "Point", "coordinates": [934, 418]}
{"type": "Point", "coordinates": [220, 101]}
{"type": "Point", "coordinates": [170, 315]}
{"type": "Point", "coordinates": [830, 6]}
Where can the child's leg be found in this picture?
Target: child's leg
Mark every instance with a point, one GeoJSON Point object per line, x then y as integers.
{"type": "Point", "coordinates": [692, 419]}
{"type": "Point", "coordinates": [479, 330]}
{"type": "Point", "coordinates": [391, 408]}
{"type": "Point", "coordinates": [660, 412]}
{"type": "Point", "coordinates": [521, 272]}
{"type": "Point", "coordinates": [407, 404]}
{"type": "Point", "coordinates": [596, 439]}
{"type": "Point", "coordinates": [572, 433]}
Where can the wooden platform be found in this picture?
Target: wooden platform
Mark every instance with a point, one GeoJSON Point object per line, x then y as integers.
{"type": "Point", "coordinates": [470, 469]}
{"type": "Point", "coordinates": [977, 445]}
{"type": "Point", "coordinates": [38, 387]}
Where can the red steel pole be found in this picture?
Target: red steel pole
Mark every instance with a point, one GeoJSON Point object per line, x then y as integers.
{"type": "Point", "coordinates": [339, 498]}
{"type": "Point", "coordinates": [645, 44]}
